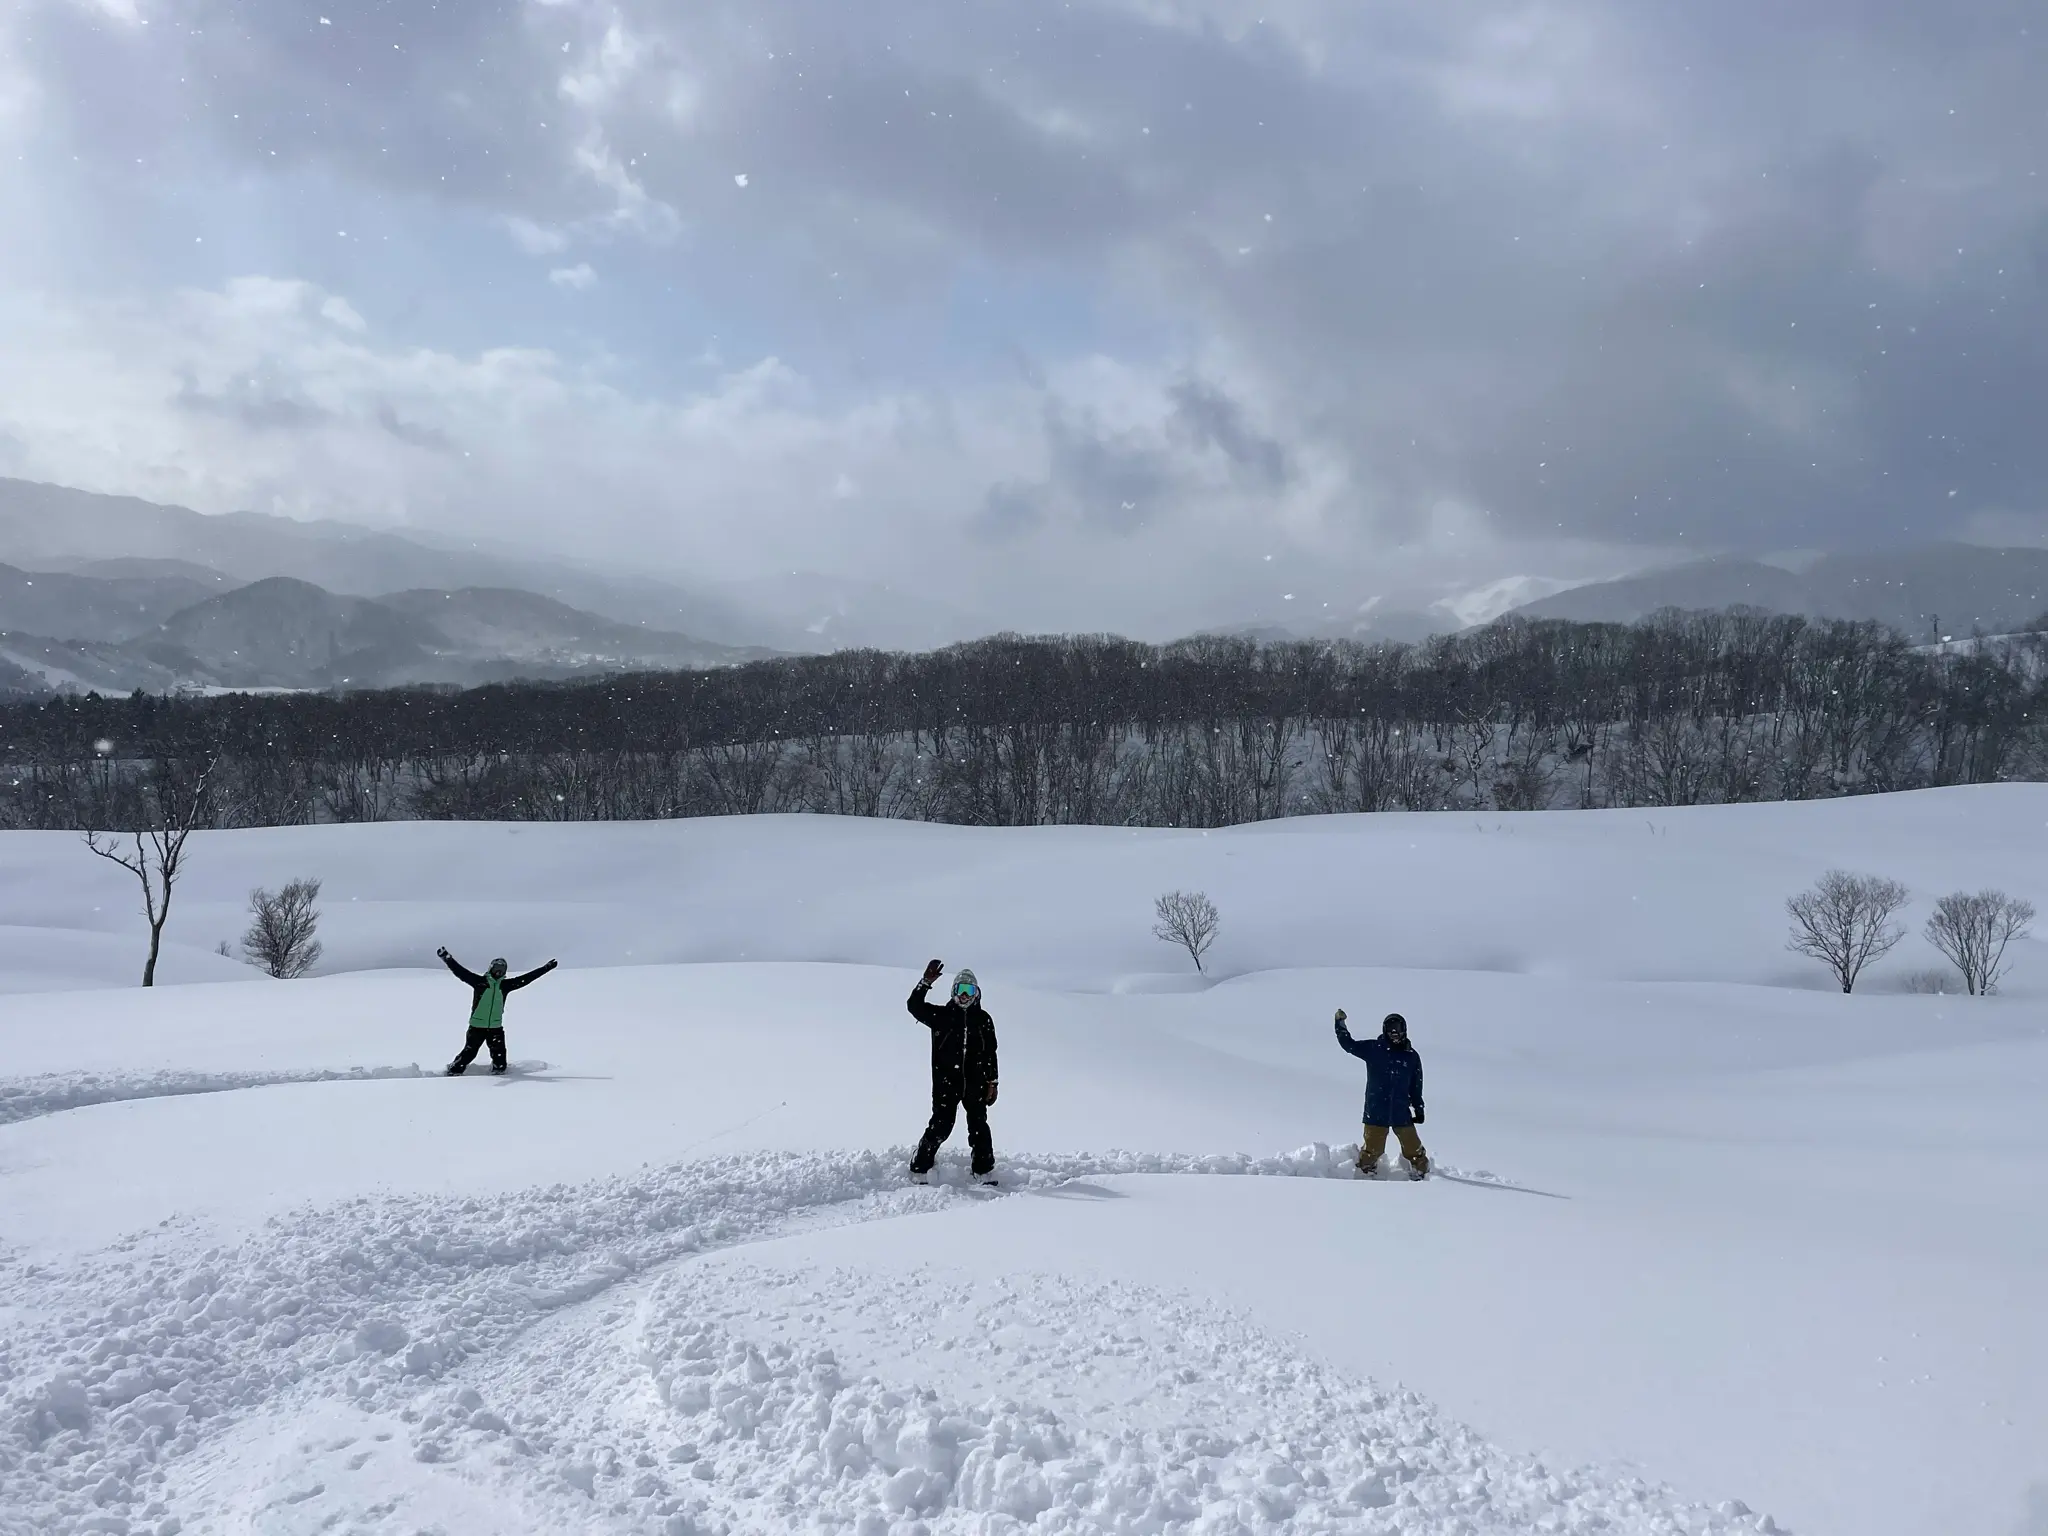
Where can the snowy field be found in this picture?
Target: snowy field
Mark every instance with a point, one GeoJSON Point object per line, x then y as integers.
{"type": "Point", "coordinates": [1714, 1249]}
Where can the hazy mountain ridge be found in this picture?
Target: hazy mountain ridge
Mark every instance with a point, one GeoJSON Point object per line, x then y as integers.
{"type": "Point", "coordinates": [1942, 589]}
{"type": "Point", "coordinates": [66, 606]}
{"type": "Point", "coordinates": [38, 664]}
{"type": "Point", "coordinates": [53, 528]}
{"type": "Point", "coordinates": [112, 592]}
{"type": "Point", "coordinates": [516, 624]}
{"type": "Point", "coordinates": [284, 633]}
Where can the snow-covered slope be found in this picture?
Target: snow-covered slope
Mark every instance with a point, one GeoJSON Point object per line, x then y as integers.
{"type": "Point", "coordinates": [1706, 1233]}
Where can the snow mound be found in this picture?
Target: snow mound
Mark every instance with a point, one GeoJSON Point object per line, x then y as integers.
{"type": "Point", "coordinates": [1187, 1420]}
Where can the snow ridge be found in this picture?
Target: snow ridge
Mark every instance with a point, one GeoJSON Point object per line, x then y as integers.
{"type": "Point", "coordinates": [114, 1372]}
{"type": "Point", "coordinates": [28, 1098]}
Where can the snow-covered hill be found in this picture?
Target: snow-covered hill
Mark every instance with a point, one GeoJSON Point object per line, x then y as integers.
{"type": "Point", "coordinates": [1706, 1232]}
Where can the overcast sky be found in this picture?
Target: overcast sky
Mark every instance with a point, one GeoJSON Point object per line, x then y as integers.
{"type": "Point", "coordinates": [1110, 313]}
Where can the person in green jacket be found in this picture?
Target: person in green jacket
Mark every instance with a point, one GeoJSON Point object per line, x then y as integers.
{"type": "Point", "coordinates": [487, 1009]}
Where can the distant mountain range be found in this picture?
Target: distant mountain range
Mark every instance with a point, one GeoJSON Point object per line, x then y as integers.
{"type": "Point", "coordinates": [113, 606]}
{"type": "Point", "coordinates": [1379, 626]}
{"type": "Point", "coordinates": [284, 633]}
{"type": "Point", "coordinates": [47, 530]}
{"type": "Point", "coordinates": [1925, 594]}
{"type": "Point", "coordinates": [112, 593]}
{"type": "Point", "coordinates": [1935, 591]}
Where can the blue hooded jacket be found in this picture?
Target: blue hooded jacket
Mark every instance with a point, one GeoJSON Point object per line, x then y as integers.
{"type": "Point", "coordinates": [1393, 1079]}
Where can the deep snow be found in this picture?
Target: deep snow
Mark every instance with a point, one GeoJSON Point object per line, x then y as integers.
{"type": "Point", "coordinates": [1706, 1229]}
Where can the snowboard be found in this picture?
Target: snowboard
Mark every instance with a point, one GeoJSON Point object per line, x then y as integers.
{"type": "Point", "coordinates": [512, 1069]}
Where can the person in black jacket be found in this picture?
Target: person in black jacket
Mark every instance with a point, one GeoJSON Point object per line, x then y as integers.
{"type": "Point", "coordinates": [1393, 1094]}
{"type": "Point", "coordinates": [963, 1068]}
{"type": "Point", "coordinates": [487, 1009]}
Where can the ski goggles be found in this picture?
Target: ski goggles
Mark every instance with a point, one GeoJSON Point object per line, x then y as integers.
{"type": "Point", "coordinates": [966, 994]}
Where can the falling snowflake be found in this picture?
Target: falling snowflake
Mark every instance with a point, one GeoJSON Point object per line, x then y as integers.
{"type": "Point", "coordinates": [740, 180]}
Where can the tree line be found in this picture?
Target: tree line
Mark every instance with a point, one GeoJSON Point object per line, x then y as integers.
{"type": "Point", "coordinates": [1685, 708]}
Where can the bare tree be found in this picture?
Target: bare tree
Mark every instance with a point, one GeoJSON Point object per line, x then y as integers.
{"type": "Point", "coordinates": [280, 936]}
{"type": "Point", "coordinates": [1189, 919]}
{"type": "Point", "coordinates": [1845, 921]}
{"type": "Point", "coordinates": [170, 811]}
{"type": "Point", "coordinates": [1972, 931]}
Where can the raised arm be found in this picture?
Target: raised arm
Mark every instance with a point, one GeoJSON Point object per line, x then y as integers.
{"type": "Point", "coordinates": [1359, 1048]}
{"type": "Point", "coordinates": [926, 1013]}
{"type": "Point", "coordinates": [514, 983]}
{"type": "Point", "coordinates": [459, 968]}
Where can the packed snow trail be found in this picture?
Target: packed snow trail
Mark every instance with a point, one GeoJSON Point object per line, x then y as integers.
{"type": "Point", "coordinates": [119, 1370]}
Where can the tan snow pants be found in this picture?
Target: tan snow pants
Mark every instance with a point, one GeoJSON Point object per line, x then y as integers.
{"type": "Point", "coordinates": [1375, 1147]}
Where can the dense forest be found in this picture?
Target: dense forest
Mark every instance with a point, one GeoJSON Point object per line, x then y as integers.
{"type": "Point", "coordinates": [1682, 709]}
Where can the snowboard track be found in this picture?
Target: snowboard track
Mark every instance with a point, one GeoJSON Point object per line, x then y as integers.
{"type": "Point", "coordinates": [119, 1369]}
{"type": "Point", "coordinates": [30, 1098]}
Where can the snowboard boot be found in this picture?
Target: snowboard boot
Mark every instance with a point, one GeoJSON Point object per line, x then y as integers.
{"type": "Point", "coordinates": [498, 1069]}
{"type": "Point", "coordinates": [453, 1069]}
{"type": "Point", "coordinates": [1367, 1170]}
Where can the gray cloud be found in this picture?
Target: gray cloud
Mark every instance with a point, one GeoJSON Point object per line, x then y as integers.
{"type": "Point", "coordinates": [1012, 509]}
{"type": "Point", "coordinates": [1117, 481]}
{"type": "Point", "coordinates": [1211, 419]}
{"type": "Point", "coordinates": [258, 401]}
{"type": "Point", "coordinates": [412, 434]}
{"type": "Point", "coordinates": [1590, 275]}
{"type": "Point", "coordinates": [444, 100]}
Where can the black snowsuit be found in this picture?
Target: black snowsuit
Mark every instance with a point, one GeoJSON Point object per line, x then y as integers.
{"type": "Point", "coordinates": [963, 1073]}
{"type": "Point", "coordinates": [486, 1034]}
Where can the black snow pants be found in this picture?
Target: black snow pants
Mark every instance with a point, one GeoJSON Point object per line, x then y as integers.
{"type": "Point", "coordinates": [948, 1095]}
{"type": "Point", "coordinates": [478, 1039]}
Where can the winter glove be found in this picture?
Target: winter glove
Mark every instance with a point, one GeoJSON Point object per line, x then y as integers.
{"type": "Point", "coordinates": [1342, 1015]}
{"type": "Point", "coordinates": [931, 971]}
{"type": "Point", "coordinates": [1418, 1114]}
{"type": "Point", "coordinates": [991, 1093]}
{"type": "Point", "coordinates": [443, 953]}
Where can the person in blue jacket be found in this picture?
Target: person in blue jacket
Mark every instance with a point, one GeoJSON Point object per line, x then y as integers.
{"type": "Point", "coordinates": [1393, 1095]}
